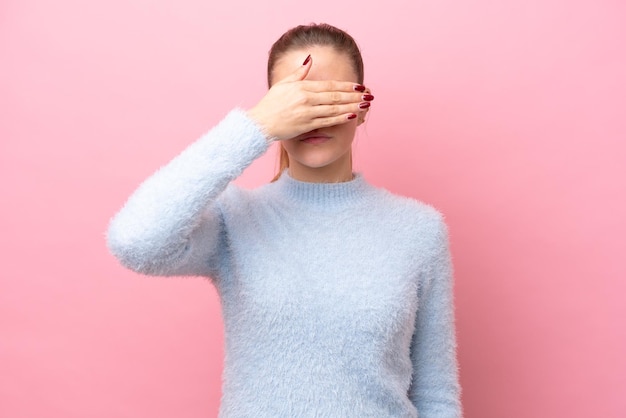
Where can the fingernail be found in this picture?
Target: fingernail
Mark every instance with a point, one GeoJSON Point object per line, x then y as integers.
{"type": "Point", "coordinates": [364, 105]}
{"type": "Point", "coordinates": [306, 61]}
{"type": "Point", "coordinates": [359, 87]}
{"type": "Point", "coordinates": [368, 97]}
{"type": "Point", "coordinates": [351, 116]}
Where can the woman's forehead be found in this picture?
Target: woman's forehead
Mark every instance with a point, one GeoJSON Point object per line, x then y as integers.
{"type": "Point", "coordinates": [328, 64]}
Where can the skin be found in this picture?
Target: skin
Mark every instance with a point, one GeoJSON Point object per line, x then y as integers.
{"type": "Point", "coordinates": [315, 99]}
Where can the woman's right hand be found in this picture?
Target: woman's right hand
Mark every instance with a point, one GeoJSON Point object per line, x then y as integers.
{"type": "Point", "coordinates": [294, 106]}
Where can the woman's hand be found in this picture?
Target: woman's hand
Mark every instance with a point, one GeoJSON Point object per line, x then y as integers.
{"type": "Point", "coordinates": [294, 105]}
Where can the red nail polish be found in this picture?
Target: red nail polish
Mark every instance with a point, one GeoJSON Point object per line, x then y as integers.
{"type": "Point", "coordinates": [359, 87]}
{"type": "Point", "coordinates": [306, 61]}
{"type": "Point", "coordinates": [364, 105]}
{"type": "Point", "coordinates": [368, 97]}
{"type": "Point", "coordinates": [351, 116]}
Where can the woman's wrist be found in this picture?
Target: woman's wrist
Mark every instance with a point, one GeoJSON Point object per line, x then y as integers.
{"type": "Point", "coordinates": [253, 114]}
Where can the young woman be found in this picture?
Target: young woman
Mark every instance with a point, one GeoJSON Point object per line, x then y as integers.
{"type": "Point", "coordinates": [337, 296]}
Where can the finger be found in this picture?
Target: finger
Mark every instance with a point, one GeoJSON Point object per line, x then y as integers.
{"type": "Point", "coordinates": [300, 73]}
{"type": "Point", "coordinates": [332, 85]}
{"type": "Point", "coordinates": [326, 122]}
{"type": "Point", "coordinates": [337, 97]}
{"type": "Point", "coordinates": [326, 111]}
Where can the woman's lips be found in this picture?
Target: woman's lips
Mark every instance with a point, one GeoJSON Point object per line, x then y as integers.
{"type": "Point", "coordinates": [315, 139]}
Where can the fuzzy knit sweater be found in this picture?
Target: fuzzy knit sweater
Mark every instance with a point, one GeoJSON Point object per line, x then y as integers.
{"type": "Point", "coordinates": [337, 299]}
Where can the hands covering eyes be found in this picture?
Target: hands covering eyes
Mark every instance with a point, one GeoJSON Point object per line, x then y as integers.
{"type": "Point", "coordinates": [294, 106]}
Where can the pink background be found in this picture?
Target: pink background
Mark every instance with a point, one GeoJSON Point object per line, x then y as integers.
{"type": "Point", "coordinates": [509, 117]}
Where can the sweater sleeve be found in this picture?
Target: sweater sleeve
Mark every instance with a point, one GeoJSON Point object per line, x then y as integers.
{"type": "Point", "coordinates": [172, 224]}
{"type": "Point", "coordinates": [435, 390]}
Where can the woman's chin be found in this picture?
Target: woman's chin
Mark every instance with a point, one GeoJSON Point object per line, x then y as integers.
{"type": "Point", "coordinates": [316, 163]}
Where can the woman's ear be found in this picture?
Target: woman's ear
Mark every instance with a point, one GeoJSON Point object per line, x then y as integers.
{"type": "Point", "coordinates": [361, 117]}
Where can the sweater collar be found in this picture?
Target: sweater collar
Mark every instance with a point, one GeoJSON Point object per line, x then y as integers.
{"type": "Point", "coordinates": [323, 195]}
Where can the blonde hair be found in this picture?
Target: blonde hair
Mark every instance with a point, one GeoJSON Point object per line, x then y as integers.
{"type": "Point", "coordinates": [283, 162]}
{"type": "Point", "coordinates": [303, 36]}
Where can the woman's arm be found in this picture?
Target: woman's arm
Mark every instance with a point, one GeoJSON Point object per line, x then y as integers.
{"type": "Point", "coordinates": [171, 225]}
{"type": "Point", "coordinates": [435, 390]}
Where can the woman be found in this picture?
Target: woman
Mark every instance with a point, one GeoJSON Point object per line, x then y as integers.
{"type": "Point", "coordinates": [336, 295]}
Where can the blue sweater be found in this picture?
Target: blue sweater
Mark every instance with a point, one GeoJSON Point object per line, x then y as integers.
{"type": "Point", "coordinates": [337, 299]}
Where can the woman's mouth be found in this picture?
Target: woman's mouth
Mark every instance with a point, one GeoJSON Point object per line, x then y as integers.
{"type": "Point", "coordinates": [315, 139]}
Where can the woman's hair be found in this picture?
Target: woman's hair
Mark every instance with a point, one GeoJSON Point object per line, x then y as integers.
{"type": "Point", "coordinates": [302, 37]}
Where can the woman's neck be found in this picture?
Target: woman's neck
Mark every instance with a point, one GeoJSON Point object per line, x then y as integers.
{"type": "Point", "coordinates": [337, 172]}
